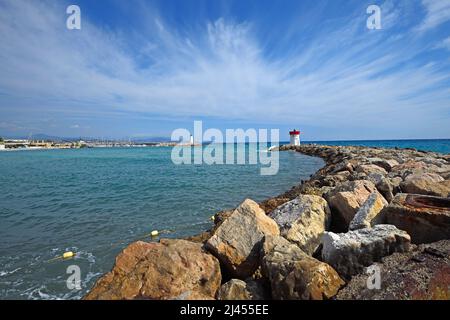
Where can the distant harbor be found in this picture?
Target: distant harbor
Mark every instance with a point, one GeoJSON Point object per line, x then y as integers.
{"type": "Point", "coordinates": [29, 144]}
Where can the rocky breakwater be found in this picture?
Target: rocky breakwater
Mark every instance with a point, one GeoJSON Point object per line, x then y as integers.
{"type": "Point", "coordinates": [365, 207]}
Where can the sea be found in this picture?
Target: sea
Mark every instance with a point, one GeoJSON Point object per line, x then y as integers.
{"type": "Point", "coordinates": [94, 202]}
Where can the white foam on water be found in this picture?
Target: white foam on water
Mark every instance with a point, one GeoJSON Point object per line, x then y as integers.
{"type": "Point", "coordinates": [5, 273]}
{"type": "Point", "coordinates": [37, 293]}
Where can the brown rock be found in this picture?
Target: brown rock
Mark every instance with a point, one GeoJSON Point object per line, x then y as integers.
{"type": "Point", "coordinates": [347, 198]}
{"type": "Point", "coordinates": [236, 289]}
{"type": "Point", "coordinates": [272, 203]}
{"type": "Point", "coordinates": [411, 166]}
{"type": "Point", "coordinates": [342, 167]}
{"type": "Point", "coordinates": [370, 168]}
{"type": "Point", "coordinates": [426, 183]}
{"type": "Point", "coordinates": [386, 164]}
{"type": "Point", "coordinates": [171, 269]}
{"type": "Point", "coordinates": [295, 275]}
{"type": "Point", "coordinates": [425, 218]}
{"type": "Point", "coordinates": [237, 241]}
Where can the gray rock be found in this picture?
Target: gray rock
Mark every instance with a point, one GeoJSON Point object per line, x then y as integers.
{"type": "Point", "coordinates": [383, 185]}
{"type": "Point", "coordinates": [350, 252]}
{"type": "Point", "coordinates": [303, 221]}
{"type": "Point", "coordinates": [294, 275]}
{"type": "Point", "coordinates": [370, 212]}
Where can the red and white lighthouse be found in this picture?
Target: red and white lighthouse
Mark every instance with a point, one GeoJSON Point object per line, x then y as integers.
{"type": "Point", "coordinates": [295, 137]}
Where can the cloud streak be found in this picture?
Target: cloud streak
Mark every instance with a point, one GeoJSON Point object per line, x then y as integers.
{"type": "Point", "coordinates": [438, 12]}
{"type": "Point", "coordinates": [345, 76]}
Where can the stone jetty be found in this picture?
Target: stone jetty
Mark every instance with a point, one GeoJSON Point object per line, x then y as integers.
{"type": "Point", "coordinates": [367, 209]}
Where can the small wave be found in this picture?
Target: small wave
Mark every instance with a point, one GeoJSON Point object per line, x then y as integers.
{"type": "Point", "coordinates": [5, 273]}
{"type": "Point", "coordinates": [39, 294]}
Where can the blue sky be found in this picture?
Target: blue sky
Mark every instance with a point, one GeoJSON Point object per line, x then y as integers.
{"type": "Point", "coordinates": [145, 68]}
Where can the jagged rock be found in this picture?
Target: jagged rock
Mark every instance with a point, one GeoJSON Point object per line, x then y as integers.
{"type": "Point", "coordinates": [236, 289]}
{"type": "Point", "coordinates": [303, 221]}
{"type": "Point", "coordinates": [347, 198]}
{"type": "Point", "coordinates": [409, 167]}
{"type": "Point", "coordinates": [421, 274]}
{"type": "Point", "coordinates": [167, 270]}
{"type": "Point", "coordinates": [383, 185]}
{"type": "Point", "coordinates": [370, 168]}
{"type": "Point", "coordinates": [236, 242]}
{"type": "Point", "coordinates": [386, 164]}
{"type": "Point", "coordinates": [342, 167]}
{"type": "Point", "coordinates": [426, 183]}
{"type": "Point", "coordinates": [425, 218]}
{"type": "Point", "coordinates": [386, 189]}
{"type": "Point", "coordinates": [350, 252]}
{"type": "Point", "coordinates": [395, 182]}
{"type": "Point", "coordinates": [272, 203]}
{"type": "Point", "coordinates": [339, 177]}
{"type": "Point", "coordinates": [369, 214]}
{"type": "Point", "coordinates": [295, 275]}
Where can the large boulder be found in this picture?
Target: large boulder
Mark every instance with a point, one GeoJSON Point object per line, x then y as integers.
{"type": "Point", "coordinates": [370, 168]}
{"type": "Point", "coordinates": [346, 199]}
{"type": "Point", "coordinates": [425, 218]}
{"type": "Point", "coordinates": [410, 167]}
{"type": "Point", "coordinates": [370, 213]}
{"type": "Point", "coordinates": [383, 185]}
{"type": "Point", "coordinates": [237, 289]}
{"type": "Point", "coordinates": [171, 269]}
{"type": "Point", "coordinates": [303, 221]}
{"type": "Point", "coordinates": [386, 164]}
{"type": "Point", "coordinates": [421, 274]}
{"type": "Point", "coordinates": [350, 252]}
{"type": "Point", "coordinates": [237, 241]}
{"type": "Point", "coordinates": [295, 275]}
{"type": "Point", "coordinates": [426, 183]}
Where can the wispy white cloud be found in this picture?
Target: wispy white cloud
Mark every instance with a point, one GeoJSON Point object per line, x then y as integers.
{"type": "Point", "coordinates": [349, 76]}
{"type": "Point", "coordinates": [444, 44]}
{"type": "Point", "coordinates": [438, 12]}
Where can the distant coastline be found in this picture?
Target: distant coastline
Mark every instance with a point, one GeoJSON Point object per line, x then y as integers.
{"type": "Point", "coordinates": [433, 145]}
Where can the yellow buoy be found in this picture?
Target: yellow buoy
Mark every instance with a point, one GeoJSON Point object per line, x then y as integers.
{"type": "Point", "coordinates": [213, 218]}
{"type": "Point", "coordinates": [154, 233]}
{"type": "Point", "coordinates": [68, 254]}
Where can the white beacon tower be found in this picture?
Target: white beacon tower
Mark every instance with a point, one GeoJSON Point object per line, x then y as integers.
{"type": "Point", "coordinates": [295, 137]}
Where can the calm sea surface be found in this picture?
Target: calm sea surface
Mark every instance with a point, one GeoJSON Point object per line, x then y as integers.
{"type": "Point", "coordinates": [436, 145]}
{"type": "Point", "coordinates": [96, 201]}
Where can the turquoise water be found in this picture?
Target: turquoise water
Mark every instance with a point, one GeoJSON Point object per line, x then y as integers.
{"type": "Point", "coordinates": [435, 145]}
{"type": "Point", "coordinates": [96, 201]}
